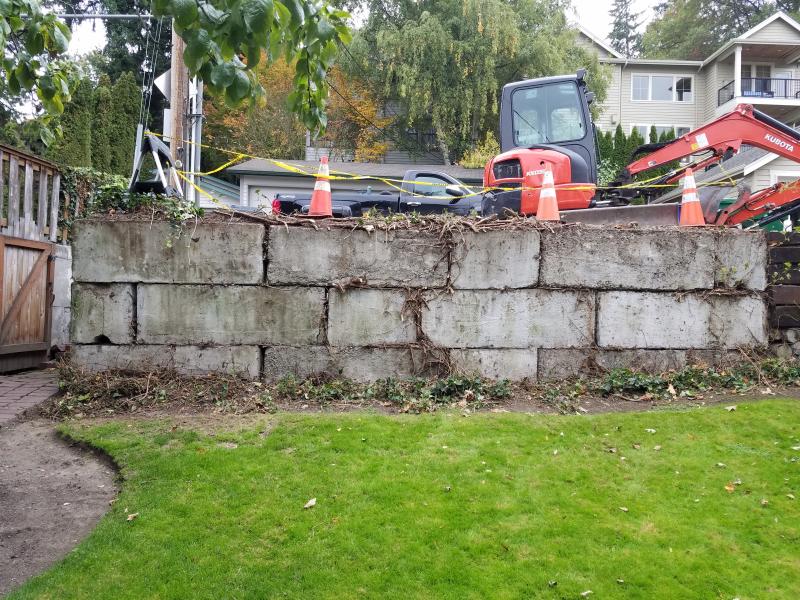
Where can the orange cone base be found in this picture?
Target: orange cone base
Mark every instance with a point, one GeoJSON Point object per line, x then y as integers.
{"type": "Point", "coordinates": [548, 210]}
{"type": "Point", "coordinates": [692, 215]}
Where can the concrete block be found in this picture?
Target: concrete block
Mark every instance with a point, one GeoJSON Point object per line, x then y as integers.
{"type": "Point", "coordinates": [639, 259]}
{"type": "Point", "coordinates": [218, 315]}
{"type": "Point", "coordinates": [158, 253]}
{"type": "Point", "coordinates": [302, 361]}
{"type": "Point", "coordinates": [531, 318]}
{"type": "Point", "coordinates": [497, 364]}
{"type": "Point", "coordinates": [369, 364]}
{"type": "Point", "coordinates": [302, 255]}
{"type": "Point", "coordinates": [102, 310]}
{"type": "Point", "coordinates": [189, 360]}
{"type": "Point", "coordinates": [565, 363]}
{"type": "Point", "coordinates": [59, 332]}
{"type": "Point", "coordinates": [366, 317]}
{"type": "Point", "coordinates": [652, 320]}
{"type": "Point", "coordinates": [741, 259]}
{"type": "Point", "coordinates": [496, 259]}
{"type": "Point", "coordinates": [791, 335]}
{"type": "Point", "coordinates": [62, 275]}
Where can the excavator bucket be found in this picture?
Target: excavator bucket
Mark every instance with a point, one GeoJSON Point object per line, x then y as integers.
{"type": "Point", "coordinates": [166, 181]}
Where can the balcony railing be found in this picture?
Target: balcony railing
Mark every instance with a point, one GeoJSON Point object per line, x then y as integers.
{"type": "Point", "coordinates": [761, 87]}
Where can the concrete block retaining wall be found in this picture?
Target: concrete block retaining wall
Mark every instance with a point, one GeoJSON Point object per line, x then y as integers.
{"type": "Point", "coordinates": [271, 300]}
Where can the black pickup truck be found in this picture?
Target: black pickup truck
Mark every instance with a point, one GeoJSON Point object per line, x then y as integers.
{"type": "Point", "coordinates": [423, 192]}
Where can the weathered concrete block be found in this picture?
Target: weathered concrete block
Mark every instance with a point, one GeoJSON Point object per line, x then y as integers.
{"type": "Point", "coordinates": [531, 318]}
{"type": "Point", "coordinates": [497, 364]}
{"type": "Point", "coordinates": [640, 259]}
{"type": "Point", "coordinates": [300, 361]}
{"type": "Point", "coordinates": [189, 360]}
{"type": "Point", "coordinates": [102, 310]}
{"type": "Point", "coordinates": [62, 275]}
{"type": "Point", "coordinates": [368, 364]}
{"type": "Point", "coordinates": [564, 363]}
{"type": "Point", "coordinates": [395, 259]}
{"type": "Point", "coordinates": [206, 314]}
{"type": "Point", "coordinates": [59, 332]}
{"type": "Point", "coordinates": [155, 253]}
{"type": "Point", "coordinates": [741, 259]}
{"type": "Point", "coordinates": [651, 320]}
{"type": "Point", "coordinates": [364, 317]}
{"type": "Point", "coordinates": [496, 259]}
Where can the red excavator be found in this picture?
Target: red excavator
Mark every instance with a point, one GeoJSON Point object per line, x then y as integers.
{"type": "Point", "coordinates": [546, 122]}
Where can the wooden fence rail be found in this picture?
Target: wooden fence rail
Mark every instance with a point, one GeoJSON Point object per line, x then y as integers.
{"type": "Point", "coordinates": [29, 196]}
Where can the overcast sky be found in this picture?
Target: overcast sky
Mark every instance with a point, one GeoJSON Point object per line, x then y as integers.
{"type": "Point", "coordinates": [592, 14]}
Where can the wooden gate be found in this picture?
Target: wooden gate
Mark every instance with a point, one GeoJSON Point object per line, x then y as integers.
{"type": "Point", "coordinates": [29, 229]}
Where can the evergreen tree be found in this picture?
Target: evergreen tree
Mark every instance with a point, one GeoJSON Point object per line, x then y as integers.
{"type": "Point", "coordinates": [624, 36]}
{"type": "Point", "coordinates": [75, 147]}
{"type": "Point", "coordinates": [634, 141]}
{"type": "Point", "coordinates": [126, 97]}
{"type": "Point", "coordinates": [605, 145]}
{"type": "Point", "coordinates": [653, 134]}
{"type": "Point", "coordinates": [620, 154]}
{"type": "Point", "coordinates": [102, 125]}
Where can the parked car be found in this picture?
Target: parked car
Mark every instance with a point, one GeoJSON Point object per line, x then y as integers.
{"type": "Point", "coordinates": [423, 192]}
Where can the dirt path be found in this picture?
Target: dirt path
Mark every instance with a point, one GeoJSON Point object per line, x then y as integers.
{"type": "Point", "coordinates": [51, 497]}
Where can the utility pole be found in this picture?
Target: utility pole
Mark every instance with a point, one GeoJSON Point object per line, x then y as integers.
{"type": "Point", "coordinates": [179, 92]}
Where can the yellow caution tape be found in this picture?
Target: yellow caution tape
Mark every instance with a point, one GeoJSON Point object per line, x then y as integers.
{"type": "Point", "coordinates": [399, 184]}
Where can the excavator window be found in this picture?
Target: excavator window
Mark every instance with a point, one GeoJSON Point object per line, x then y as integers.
{"type": "Point", "coordinates": [547, 114]}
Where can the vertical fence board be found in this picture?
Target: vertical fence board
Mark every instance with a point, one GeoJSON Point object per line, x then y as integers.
{"type": "Point", "coordinates": [41, 217]}
{"type": "Point", "coordinates": [54, 207]}
{"type": "Point", "coordinates": [2, 188]}
{"type": "Point", "coordinates": [27, 202]}
{"type": "Point", "coordinates": [13, 197]}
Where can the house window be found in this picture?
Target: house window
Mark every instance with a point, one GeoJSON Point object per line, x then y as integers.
{"type": "Point", "coordinates": [661, 88]}
{"type": "Point", "coordinates": [644, 130]}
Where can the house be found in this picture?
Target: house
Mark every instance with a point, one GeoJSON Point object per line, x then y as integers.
{"type": "Point", "coordinates": [760, 67]}
{"type": "Point", "coordinates": [260, 180]}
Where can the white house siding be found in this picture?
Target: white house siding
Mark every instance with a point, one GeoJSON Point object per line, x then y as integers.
{"type": "Point", "coordinates": [777, 31]}
{"type": "Point", "coordinates": [610, 109]}
{"type": "Point", "coordinates": [679, 114]}
{"type": "Point", "coordinates": [779, 169]}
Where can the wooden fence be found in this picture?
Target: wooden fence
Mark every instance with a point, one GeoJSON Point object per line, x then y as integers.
{"type": "Point", "coordinates": [784, 278]}
{"type": "Point", "coordinates": [29, 206]}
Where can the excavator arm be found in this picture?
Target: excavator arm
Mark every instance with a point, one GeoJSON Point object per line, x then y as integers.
{"type": "Point", "coordinates": [743, 125]}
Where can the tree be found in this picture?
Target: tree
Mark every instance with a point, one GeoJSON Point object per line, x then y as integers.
{"type": "Point", "coordinates": [102, 124]}
{"type": "Point", "coordinates": [446, 61]}
{"type": "Point", "coordinates": [620, 154]}
{"type": "Point", "coordinates": [624, 36]}
{"type": "Point", "coordinates": [74, 148]}
{"type": "Point", "coordinates": [33, 67]}
{"type": "Point", "coordinates": [693, 29]}
{"type": "Point", "coordinates": [126, 96]}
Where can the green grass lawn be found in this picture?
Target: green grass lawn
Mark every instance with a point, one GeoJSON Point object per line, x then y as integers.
{"type": "Point", "coordinates": [444, 506]}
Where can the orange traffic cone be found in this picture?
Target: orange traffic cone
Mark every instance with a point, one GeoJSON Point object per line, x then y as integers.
{"type": "Point", "coordinates": [321, 197]}
{"type": "Point", "coordinates": [548, 206]}
{"type": "Point", "coordinates": [691, 210]}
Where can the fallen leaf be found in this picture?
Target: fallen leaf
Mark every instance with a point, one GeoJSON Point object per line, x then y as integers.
{"type": "Point", "coordinates": [612, 450]}
{"type": "Point", "coordinates": [310, 503]}
{"type": "Point", "coordinates": [656, 448]}
{"type": "Point", "coordinates": [795, 447]}
{"type": "Point", "coordinates": [555, 452]}
{"type": "Point", "coordinates": [447, 488]}
{"type": "Point", "coordinates": [623, 508]}
{"type": "Point", "coordinates": [730, 488]}
{"type": "Point", "coordinates": [637, 446]}
{"type": "Point", "coordinates": [552, 583]}
{"type": "Point", "coordinates": [620, 581]}
{"type": "Point", "coordinates": [790, 496]}
{"type": "Point", "coordinates": [586, 593]}
{"type": "Point", "coordinates": [671, 390]}
{"type": "Point", "coordinates": [731, 408]}
{"type": "Point", "coordinates": [721, 465]}
{"type": "Point", "coordinates": [132, 516]}
{"type": "Point", "coordinates": [764, 502]}
{"type": "Point", "coordinates": [650, 430]}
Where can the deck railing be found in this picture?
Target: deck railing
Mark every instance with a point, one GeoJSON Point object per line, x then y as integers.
{"type": "Point", "coordinates": [761, 87]}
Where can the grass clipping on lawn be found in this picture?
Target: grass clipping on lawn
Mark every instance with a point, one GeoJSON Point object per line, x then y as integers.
{"type": "Point", "coordinates": [657, 505]}
{"type": "Point", "coordinates": [117, 392]}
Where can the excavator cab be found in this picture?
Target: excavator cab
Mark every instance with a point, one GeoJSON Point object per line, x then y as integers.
{"type": "Point", "coordinates": [543, 122]}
